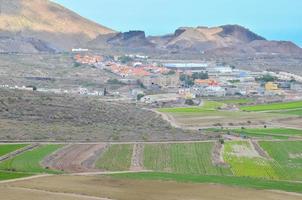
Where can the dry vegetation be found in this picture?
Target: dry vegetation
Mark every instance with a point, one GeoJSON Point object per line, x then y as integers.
{"type": "Point", "coordinates": [38, 116]}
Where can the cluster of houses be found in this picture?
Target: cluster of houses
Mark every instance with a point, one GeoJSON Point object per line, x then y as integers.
{"type": "Point", "coordinates": [150, 75]}
{"type": "Point", "coordinates": [221, 80]}
{"type": "Point", "coordinates": [78, 91]}
{"type": "Point", "coordinates": [227, 81]}
{"type": "Point", "coordinates": [88, 59]}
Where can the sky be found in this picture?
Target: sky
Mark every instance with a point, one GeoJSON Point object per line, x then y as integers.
{"type": "Point", "coordinates": [272, 19]}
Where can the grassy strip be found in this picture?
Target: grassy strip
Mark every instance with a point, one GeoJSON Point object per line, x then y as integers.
{"type": "Point", "coordinates": [116, 158]}
{"type": "Point", "coordinates": [274, 106]}
{"type": "Point", "coordinates": [225, 180]}
{"type": "Point", "coordinates": [208, 105]}
{"type": "Point", "coordinates": [8, 148]}
{"type": "Point", "coordinates": [291, 112]}
{"type": "Point", "coordinates": [12, 175]}
{"type": "Point", "coordinates": [29, 161]}
{"type": "Point", "coordinates": [237, 101]}
{"type": "Point", "coordinates": [278, 133]}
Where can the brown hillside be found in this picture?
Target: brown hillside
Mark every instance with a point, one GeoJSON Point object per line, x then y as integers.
{"type": "Point", "coordinates": [47, 21]}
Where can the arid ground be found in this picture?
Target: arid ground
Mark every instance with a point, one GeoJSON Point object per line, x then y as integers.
{"type": "Point", "coordinates": [84, 187]}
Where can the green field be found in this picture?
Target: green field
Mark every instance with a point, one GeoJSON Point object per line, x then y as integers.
{"type": "Point", "coordinates": [29, 161]}
{"type": "Point", "coordinates": [208, 106]}
{"type": "Point", "coordinates": [237, 101]}
{"type": "Point", "coordinates": [12, 175]}
{"type": "Point", "coordinates": [182, 158]}
{"type": "Point", "coordinates": [244, 162]}
{"type": "Point", "coordinates": [274, 106]}
{"type": "Point", "coordinates": [8, 148]}
{"type": "Point", "coordinates": [245, 182]}
{"type": "Point", "coordinates": [276, 133]}
{"type": "Point", "coordinates": [288, 155]}
{"type": "Point", "coordinates": [116, 158]}
{"type": "Point", "coordinates": [291, 112]}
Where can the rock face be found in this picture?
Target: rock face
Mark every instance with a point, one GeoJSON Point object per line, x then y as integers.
{"type": "Point", "coordinates": [130, 39]}
{"type": "Point", "coordinates": [47, 21]}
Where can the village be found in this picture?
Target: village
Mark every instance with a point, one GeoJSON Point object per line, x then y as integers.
{"type": "Point", "coordinates": [161, 82]}
{"type": "Point", "coordinates": [170, 81]}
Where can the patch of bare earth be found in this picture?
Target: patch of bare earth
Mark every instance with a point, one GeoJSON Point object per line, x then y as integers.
{"type": "Point", "coordinates": [137, 157]}
{"type": "Point", "coordinates": [217, 155]}
{"type": "Point", "coordinates": [259, 149]}
{"type": "Point", "coordinates": [106, 187]}
{"type": "Point", "coordinates": [13, 193]}
{"type": "Point", "coordinates": [75, 158]}
{"type": "Point", "coordinates": [245, 151]}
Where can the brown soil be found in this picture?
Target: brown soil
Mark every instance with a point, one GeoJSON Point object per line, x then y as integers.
{"type": "Point", "coordinates": [134, 190]}
{"type": "Point", "coordinates": [217, 155]}
{"type": "Point", "coordinates": [75, 158]}
{"type": "Point", "coordinates": [137, 158]}
{"type": "Point", "coordinates": [12, 193]}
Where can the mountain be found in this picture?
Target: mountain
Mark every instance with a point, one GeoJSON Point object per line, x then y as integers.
{"type": "Point", "coordinates": [19, 44]}
{"type": "Point", "coordinates": [47, 22]}
{"type": "Point", "coordinates": [204, 38]}
{"type": "Point", "coordinates": [222, 40]}
{"type": "Point", "coordinates": [43, 26]}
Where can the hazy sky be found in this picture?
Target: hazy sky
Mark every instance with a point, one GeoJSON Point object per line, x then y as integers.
{"type": "Point", "coordinates": [273, 19]}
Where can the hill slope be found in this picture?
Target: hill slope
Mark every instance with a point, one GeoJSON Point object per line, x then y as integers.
{"type": "Point", "coordinates": [47, 21]}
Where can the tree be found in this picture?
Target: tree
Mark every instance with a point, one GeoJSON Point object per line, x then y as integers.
{"type": "Point", "coordinates": [188, 81]}
{"type": "Point", "coordinates": [125, 59]}
{"type": "Point", "coordinates": [267, 78]}
{"type": "Point", "coordinates": [189, 102]}
{"type": "Point", "coordinates": [139, 97]}
{"type": "Point", "coordinates": [200, 75]}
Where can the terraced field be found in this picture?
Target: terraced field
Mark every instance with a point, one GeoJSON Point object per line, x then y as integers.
{"type": "Point", "coordinates": [276, 133]}
{"type": "Point", "coordinates": [207, 106]}
{"type": "Point", "coordinates": [182, 158]}
{"type": "Point", "coordinates": [246, 161]}
{"type": "Point", "coordinates": [30, 161]}
{"type": "Point", "coordinates": [288, 155]}
{"type": "Point", "coordinates": [116, 158]}
{"type": "Point", "coordinates": [237, 101]}
{"type": "Point", "coordinates": [5, 149]}
{"type": "Point", "coordinates": [274, 106]}
{"type": "Point", "coordinates": [208, 115]}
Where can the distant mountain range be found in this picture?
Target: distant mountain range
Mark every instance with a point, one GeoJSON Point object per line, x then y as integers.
{"type": "Point", "coordinates": [32, 26]}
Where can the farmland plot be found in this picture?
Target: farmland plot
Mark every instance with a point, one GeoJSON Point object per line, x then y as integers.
{"type": "Point", "coordinates": [5, 149]}
{"type": "Point", "coordinates": [277, 133]}
{"type": "Point", "coordinates": [182, 158]}
{"type": "Point", "coordinates": [288, 155]}
{"type": "Point", "coordinates": [246, 161]}
{"type": "Point", "coordinates": [30, 161]}
{"type": "Point", "coordinates": [274, 106]}
{"type": "Point", "coordinates": [116, 158]}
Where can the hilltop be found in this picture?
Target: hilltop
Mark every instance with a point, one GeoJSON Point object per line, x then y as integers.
{"type": "Point", "coordinates": [44, 26]}
{"type": "Point", "coordinates": [44, 21]}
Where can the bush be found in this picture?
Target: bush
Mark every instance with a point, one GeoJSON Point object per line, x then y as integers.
{"type": "Point", "coordinates": [189, 102]}
{"type": "Point", "coordinates": [221, 141]}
